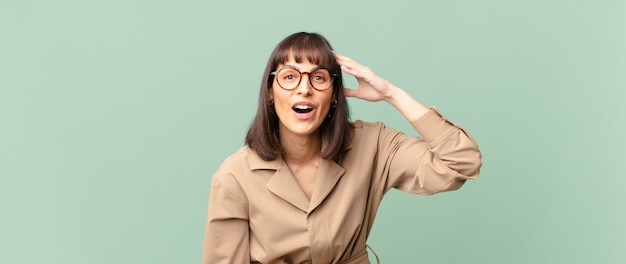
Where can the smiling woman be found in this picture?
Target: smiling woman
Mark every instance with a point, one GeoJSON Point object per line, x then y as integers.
{"type": "Point", "coordinates": [307, 185]}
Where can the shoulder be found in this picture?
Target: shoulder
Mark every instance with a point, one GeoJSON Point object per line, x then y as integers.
{"type": "Point", "coordinates": [244, 173]}
{"type": "Point", "coordinates": [363, 129]}
{"type": "Point", "coordinates": [361, 126]}
{"type": "Point", "coordinates": [233, 165]}
{"type": "Point", "coordinates": [244, 163]}
{"type": "Point", "coordinates": [376, 134]}
{"type": "Point", "coordinates": [236, 160]}
{"type": "Point", "coordinates": [364, 133]}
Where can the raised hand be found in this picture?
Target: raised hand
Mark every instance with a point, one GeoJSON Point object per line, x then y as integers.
{"type": "Point", "coordinates": [374, 88]}
{"type": "Point", "coordinates": [371, 86]}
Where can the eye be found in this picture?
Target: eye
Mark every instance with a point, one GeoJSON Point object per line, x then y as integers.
{"type": "Point", "coordinates": [288, 75]}
{"type": "Point", "coordinates": [319, 78]}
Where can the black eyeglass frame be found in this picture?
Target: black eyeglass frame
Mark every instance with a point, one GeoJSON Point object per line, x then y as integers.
{"type": "Point", "coordinates": [332, 77]}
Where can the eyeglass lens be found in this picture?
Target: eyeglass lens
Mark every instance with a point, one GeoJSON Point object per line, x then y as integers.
{"type": "Point", "coordinates": [289, 78]}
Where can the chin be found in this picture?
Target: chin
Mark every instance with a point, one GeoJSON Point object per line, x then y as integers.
{"type": "Point", "coordinates": [302, 129]}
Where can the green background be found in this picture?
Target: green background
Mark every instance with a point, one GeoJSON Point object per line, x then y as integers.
{"type": "Point", "coordinates": [115, 114]}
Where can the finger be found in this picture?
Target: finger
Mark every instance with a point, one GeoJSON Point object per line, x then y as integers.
{"type": "Point", "coordinates": [338, 56]}
{"type": "Point", "coordinates": [353, 67]}
{"type": "Point", "coordinates": [349, 70]}
{"type": "Point", "coordinates": [343, 60]}
{"type": "Point", "coordinates": [361, 73]}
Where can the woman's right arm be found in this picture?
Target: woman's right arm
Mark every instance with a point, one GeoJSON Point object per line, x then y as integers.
{"type": "Point", "coordinates": [226, 239]}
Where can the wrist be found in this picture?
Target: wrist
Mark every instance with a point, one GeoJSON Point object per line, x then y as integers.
{"type": "Point", "coordinates": [406, 104]}
{"type": "Point", "coordinates": [394, 95]}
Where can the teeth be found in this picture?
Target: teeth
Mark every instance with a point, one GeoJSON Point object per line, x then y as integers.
{"type": "Point", "coordinates": [303, 107]}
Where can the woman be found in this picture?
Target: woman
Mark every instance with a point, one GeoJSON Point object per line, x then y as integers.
{"type": "Point", "coordinates": [308, 183]}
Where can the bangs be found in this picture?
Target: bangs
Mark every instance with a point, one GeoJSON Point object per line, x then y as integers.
{"type": "Point", "coordinates": [306, 47]}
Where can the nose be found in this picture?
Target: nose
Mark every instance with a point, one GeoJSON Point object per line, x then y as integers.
{"type": "Point", "coordinates": [304, 87]}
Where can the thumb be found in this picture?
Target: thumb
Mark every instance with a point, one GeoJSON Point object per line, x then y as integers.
{"type": "Point", "coordinates": [350, 92]}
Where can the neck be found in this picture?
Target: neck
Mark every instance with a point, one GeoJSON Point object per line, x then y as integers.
{"type": "Point", "coordinates": [301, 149]}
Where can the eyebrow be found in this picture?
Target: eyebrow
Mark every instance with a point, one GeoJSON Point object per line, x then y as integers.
{"type": "Point", "coordinates": [294, 67]}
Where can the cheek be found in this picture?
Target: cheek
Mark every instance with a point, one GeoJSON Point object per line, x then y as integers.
{"type": "Point", "coordinates": [281, 103]}
{"type": "Point", "coordinates": [327, 104]}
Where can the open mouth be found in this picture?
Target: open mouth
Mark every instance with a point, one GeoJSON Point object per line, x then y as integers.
{"type": "Point", "coordinates": [302, 109]}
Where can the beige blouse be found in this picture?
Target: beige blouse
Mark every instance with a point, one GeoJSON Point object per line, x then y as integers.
{"type": "Point", "coordinates": [258, 213]}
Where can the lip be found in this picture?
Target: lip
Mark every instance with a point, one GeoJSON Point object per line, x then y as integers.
{"type": "Point", "coordinates": [304, 116]}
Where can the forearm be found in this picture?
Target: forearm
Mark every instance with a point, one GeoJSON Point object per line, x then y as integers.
{"type": "Point", "coordinates": [442, 160]}
{"type": "Point", "coordinates": [406, 104]}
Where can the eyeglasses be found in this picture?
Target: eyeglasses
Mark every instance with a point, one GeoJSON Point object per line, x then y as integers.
{"type": "Point", "coordinates": [289, 78]}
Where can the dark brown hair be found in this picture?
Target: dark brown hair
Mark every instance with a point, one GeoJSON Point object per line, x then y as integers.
{"type": "Point", "coordinates": [263, 135]}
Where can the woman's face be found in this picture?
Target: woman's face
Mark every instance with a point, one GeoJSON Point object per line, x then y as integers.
{"type": "Point", "coordinates": [303, 109]}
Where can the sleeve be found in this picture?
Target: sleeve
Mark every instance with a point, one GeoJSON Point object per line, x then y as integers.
{"type": "Point", "coordinates": [442, 160]}
{"type": "Point", "coordinates": [226, 238]}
